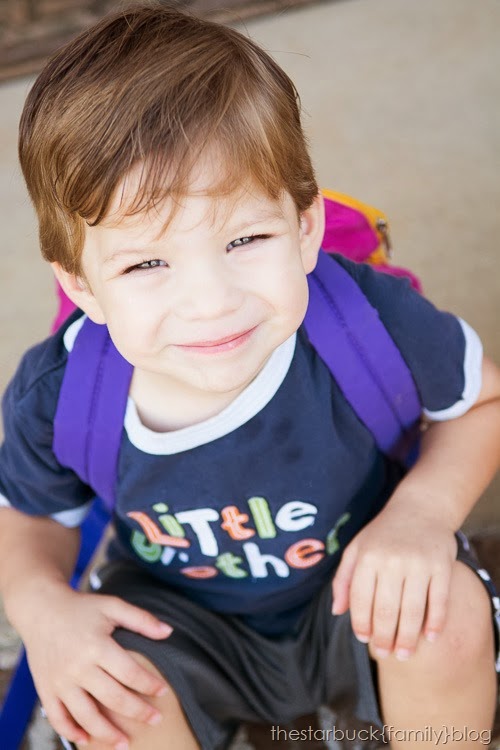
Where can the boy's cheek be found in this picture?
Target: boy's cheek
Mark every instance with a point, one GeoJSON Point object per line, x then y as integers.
{"type": "Point", "coordinates": [137, 332]}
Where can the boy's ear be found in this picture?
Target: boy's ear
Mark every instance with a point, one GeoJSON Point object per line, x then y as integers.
{"type": "Point", "coordinates": [79, 292]}
{"type": "Point", "coordinates": [312, 230]}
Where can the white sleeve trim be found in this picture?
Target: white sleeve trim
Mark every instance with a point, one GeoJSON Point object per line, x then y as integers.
{"type": "Point", "coordinates": [72, 517]}
{"type": "Point", "coordinates": [69, 518]}
{"type": "Point", "coordinates": [473, 368]}
{"type": "Point", "coordinates": [4, 503]}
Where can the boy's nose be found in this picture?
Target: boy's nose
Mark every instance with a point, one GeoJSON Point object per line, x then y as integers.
{"type": "Point", "coordinates": [209, 293]}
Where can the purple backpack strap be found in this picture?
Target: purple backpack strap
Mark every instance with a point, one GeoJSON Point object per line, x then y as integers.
{"type": "Point", "coordinates": [350, 338]}
{"type": "Point", "coordinates": [89, 417]}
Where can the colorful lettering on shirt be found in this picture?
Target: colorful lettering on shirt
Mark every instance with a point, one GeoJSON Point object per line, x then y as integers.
{"type": "Point", "coordinates": [258, 562]}
{"type": "Point", "coordinates": [172, 526]}
{"type": "Point", "coordinates": [199, 520]}
{"type": "Point", "coordinates": [262, 517]}
{"type": "Point", "coordinates": [153, 533]}
{"type": "Point", "coordinates": [292, 517]}
{"type": "Point", "coordinates": [229, 564]}
{"type": "Point", "coordinates": [146, 550]}
{"type": "Point", "coordinates": [168, 555]}
{"type": "Point", "coordinates": [332, 542]}
{"type": "Point", "coordinates": [201, 571]}
{"type": "Point", "coordinates": [233, 523]}
{"type": "Point", "coordinates": [295, 516]}
{"type": "Point", "coordinates": [305, 554]}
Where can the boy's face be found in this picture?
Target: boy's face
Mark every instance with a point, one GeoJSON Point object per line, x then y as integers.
{"type": "Point", "coordinates": [203, 304]}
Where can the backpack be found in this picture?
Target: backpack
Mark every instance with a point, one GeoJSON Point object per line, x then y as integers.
{"type": "Point", "coordinates": [342, 326]}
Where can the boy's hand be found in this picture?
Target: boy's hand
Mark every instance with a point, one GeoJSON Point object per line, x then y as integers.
{"type": "Point", "coordinates": [395, 576]}
{"type": "Point", "coordinates": [76, 663]}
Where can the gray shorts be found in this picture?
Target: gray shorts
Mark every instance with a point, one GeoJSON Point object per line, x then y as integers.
{"type": "Point", "coordinates": [224, 672]}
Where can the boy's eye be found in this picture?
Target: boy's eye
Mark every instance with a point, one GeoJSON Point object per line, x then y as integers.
{"type": "Point", "coordinates": [146, 265]}
{"type": "Point", "coordinates": [246, 240]}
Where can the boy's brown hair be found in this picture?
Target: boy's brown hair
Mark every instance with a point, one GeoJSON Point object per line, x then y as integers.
{"type": "Point", "coordinates": [155, 86]}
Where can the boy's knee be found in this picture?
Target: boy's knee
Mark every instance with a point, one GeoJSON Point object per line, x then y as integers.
{"type": "Point", "coordinates": [468, 631]}
{"type": "Point", "coordinates": [467, 636]}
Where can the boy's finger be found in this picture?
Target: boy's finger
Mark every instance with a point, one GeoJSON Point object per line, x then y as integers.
{"type": "Point", "coordinates": [361, 600]}
{"type": "Point", "coordinates": [386, 611]}
{"type": "Point", "coordinates": [63, 723]}
{"type": "Point", "coordinates": [342, 580]}
{"type": "Point", "coordinates": [411, 618]}
{"type": "Point", "coordinates": [437, 603]}
{"type": "Point", "coordinates": [136, 619]}
{"type": "Point", "coordinates": [120, 665]}
{"type": "Point", "coordinates": [87, 713]}
{"type": "Point", "coordinates": [119, 699]}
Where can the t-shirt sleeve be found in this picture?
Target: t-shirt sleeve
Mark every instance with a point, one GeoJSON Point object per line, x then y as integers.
{"type": "Point", "coordinates": [443, 352]}
{"type": "Point", "coordinates": [31, 479]}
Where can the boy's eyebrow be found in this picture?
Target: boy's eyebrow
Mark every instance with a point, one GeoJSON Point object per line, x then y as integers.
{"type": "Point", "coordinates": [251, 219]}
{"type": "Point", "coordinates": [124, 253]}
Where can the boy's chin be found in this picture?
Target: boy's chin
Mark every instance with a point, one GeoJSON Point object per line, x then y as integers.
{"type": "Point", "coordinates": [220, 384]}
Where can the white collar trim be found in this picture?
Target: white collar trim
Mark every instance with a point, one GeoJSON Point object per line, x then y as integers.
{"type": "Point", "coordinates": [249, 403]}
{"type": "Point", "coordinates": [72, 332]}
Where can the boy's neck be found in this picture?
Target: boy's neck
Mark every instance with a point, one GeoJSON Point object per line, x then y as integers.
{"type": "Point", "coordinates": [165, 408]}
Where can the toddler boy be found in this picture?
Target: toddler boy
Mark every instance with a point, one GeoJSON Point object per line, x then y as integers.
{"type": "Point", "coordinates": [178, 206]}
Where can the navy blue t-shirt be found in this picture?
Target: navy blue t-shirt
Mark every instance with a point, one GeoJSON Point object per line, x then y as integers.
{"type": "Point", "coordinates": [247, 512]}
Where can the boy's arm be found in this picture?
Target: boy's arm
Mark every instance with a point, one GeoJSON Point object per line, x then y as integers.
{"type": "Point", "coordinates": [458, 458]}
{"type": "Point", "coordinates": [411, 543]}
{"type": "Point", "coordinates": [74, 661]}
{"type": "Point", "coordinates": [36, 553]}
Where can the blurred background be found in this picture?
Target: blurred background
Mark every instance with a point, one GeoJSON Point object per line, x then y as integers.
{"type": "Point", "coordinates": [401, 105]}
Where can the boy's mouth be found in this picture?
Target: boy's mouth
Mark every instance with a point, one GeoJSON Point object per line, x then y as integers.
{"type": "Point", "coordinates": [225, 344]}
